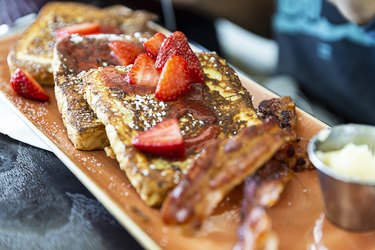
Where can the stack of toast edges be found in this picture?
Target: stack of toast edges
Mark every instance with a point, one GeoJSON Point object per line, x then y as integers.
{"type": "Point", "coordinates": [34, 50]}
{"type": "Point", "coordinates": [73, 55]}
{"type": "Point", "coordinates": [59, 62]}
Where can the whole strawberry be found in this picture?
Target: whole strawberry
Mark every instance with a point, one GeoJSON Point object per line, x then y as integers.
{"type": "Point", "coordinates": [25, 85]}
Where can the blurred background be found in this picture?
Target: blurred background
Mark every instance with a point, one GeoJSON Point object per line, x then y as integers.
{"type": "Point", "coordinates": [320, 52]}
{"type": "Point", "coordinates": [240, 30]}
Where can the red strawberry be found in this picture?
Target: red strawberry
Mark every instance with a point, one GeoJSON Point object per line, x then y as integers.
{"type": "Point", "coordinates": [25, 85]}
{"type": "Point", "coordinates": [153, 44]}
{"type": "Point", "coordinates": [81, 29]}
{"type": "Point", "coordinates": [126, 52]}
{"type": "Point", "coordinates": [177, 44]}
{"type": "Point", "coordinates": [164, 139]}
{"type": "Point", "coordinates": [143, 72]}
{"type": "Point", "coordinates": [174, 79]}
{"type": "Point", "coordinates": [110, 29]}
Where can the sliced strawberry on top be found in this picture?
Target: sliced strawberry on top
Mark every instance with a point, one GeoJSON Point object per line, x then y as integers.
{"type": "Point", "coordinates": [143, 71]}
{"type": "Point", "coordinates": [174, 79]}
{"type": "Point", "coordinates": [153, 44]}
{"type": "Point", "coordinates": [126, 52]}
{"type": "Point", "coordinates": [26, 86]}
{"type": "Point", "coordinates": [164, 139]}
{"type": "Point", "coordinates": [81, 29]}
{"type": "Point", "coordinates": [177, 44]}
{"type": "Point", "coordinates": [109, 29]}
{"type": "Point", "coordinates": [196, 71]}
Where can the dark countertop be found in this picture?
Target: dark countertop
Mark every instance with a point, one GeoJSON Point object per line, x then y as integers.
{"type": "Point", "coordinates": [44, 206]}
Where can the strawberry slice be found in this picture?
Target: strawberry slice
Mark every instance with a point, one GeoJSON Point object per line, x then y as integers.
{"type": "Point", "coordinates": [153, 44]}
{"type": "Point", "coordinates": [177, 44]}
{"type": "Point", "coordinates": [126, 52]}
{"type": "Point", "coordinates": [174, 79]}
{"type": "Point", "coordinates": [109, 29]}
{"type": "Point", "coordinates": [164, 139]}
{"type": "Point", "coordinates": [81, 29]}
{"type": "Point", "coordinates": [25, 85]}
{"type": "Point", "coordinates": [143, 72]}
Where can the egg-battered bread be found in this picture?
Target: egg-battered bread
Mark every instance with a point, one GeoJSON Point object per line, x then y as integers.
{"type": "Point", "coordinates": [34, 50]}
{"type": "Point", "coordinates": [219, 108]}
{"type": "Point", "coordinates": [73, 55]}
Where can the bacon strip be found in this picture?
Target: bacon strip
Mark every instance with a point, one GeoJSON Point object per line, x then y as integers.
{"type": "Point", "coordinates": [263, 189]}
{"type": "Point", "coordinates": [281, 109]}
{"type": "Point", "coordinates": [222, 165]}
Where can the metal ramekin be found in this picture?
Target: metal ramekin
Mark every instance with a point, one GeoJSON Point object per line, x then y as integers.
{"type": "Point", "coordinates": [349, 203]}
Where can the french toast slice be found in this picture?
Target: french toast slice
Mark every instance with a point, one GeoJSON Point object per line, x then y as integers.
{"type": "Point", "coordinates": [34, 50]}
{"type": "Point", "coordinates": [73, 55]}
{"type": "Point", "coordinates": [222, 104]}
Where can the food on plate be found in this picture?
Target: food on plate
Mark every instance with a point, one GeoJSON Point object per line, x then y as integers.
{"type": "Point", "coordinates": [355, 162]}
{"type": "Point", "coordinates": [153, 44]}
{"type": "Point", "coordinates": [163, 139]}
{"type": "Point", "coordinates": [33, 51]}
{"type": "Point", "coordinates": [174, 79]}
{"type": "Point", "coordinates": [72, 55]}
{"type": "Point", "coordinates": [125, 51]}
{"type": "Point", "coordinates": [25, 85]}
{"type": "Point", "coordinates": [263, 189]}
{"type": "Point", "coordinates": [282, 110]}
{"type": "Point", "coordinates": [179, 122]}
{"type": "Point", "coordinates": [177, 44]}
{"type": "Point", "coordinates": [221, 166]}
{"type": "Point", "coordinates": [219, 108]}
{"type": "Point", "coordinates": [143, 72]}
{"type": "Point", "coordinates": [211, 178]}
{"type": "Point", "coordinates": [80, 29]}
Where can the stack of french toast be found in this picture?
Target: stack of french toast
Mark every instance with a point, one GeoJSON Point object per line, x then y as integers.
{"type": "Point", "coordinates": [179, 122]}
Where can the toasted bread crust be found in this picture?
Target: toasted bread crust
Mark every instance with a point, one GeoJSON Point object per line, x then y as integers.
{"type": "Point", "coordinates": [124, 115]}
{"type": "Point", "coordinates": [34, 50]}
{"type": "Point", "coordinates": [73, 55]}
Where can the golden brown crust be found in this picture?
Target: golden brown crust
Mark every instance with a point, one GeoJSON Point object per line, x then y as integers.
{"type": "Point", "coordinates": [40, 71]}
{"type": "Point", "coordinates": [222, 165]}
{"type": "Point", "coordinates": [73, 55]}
{"type": "Point", "coordinates": [34, 49]}
{"type": "Point", "coordinates": [124, 115]}
{"type": "Point", "coordinates": [282, 109]}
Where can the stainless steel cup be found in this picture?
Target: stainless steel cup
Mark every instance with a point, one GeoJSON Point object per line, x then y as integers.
{"type": "Point", "coordinates": [349, 203]}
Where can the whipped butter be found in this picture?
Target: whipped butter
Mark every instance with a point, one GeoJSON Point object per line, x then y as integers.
{"type": "Point", "coordinates": [353, 161]}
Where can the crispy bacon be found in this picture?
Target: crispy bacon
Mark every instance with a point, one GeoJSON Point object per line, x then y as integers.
{"type": "Point", "coordinates": [281, 109]}
{"type": "Point", "coordinates": [256, 231]}
{"type": "Point", "coordinates": [221, 166]}
{"type": "Point", "coordinates": [263, 189]}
